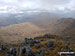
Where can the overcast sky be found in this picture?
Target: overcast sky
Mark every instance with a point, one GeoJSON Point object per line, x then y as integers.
{"type": "Point", "coordinates": [50, 5]}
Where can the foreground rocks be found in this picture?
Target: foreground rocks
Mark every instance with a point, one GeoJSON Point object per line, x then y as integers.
{"type": "Point", "coordinates": [47, 45]}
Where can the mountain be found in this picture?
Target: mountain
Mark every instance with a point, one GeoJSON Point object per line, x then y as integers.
{"type": "Point", "coordinates": [51, 22]}
{"type": "Point", "coordinates": [19, 32]}
{"type": "Point", "coordinates": [60, 26]}
{"type": "Point", "coordinates": [68, 29]}
{"type": "Point", "coordinates": [31, 15]}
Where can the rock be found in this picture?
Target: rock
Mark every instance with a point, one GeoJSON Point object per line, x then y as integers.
{"type": "Point", "coordinates": [42, 51]}
{"type": "Point", "coordinates": [7, 54]}
{"type": "Point", "coordinates": [37, 45]}
{"type": "Point", "coordinates": [31, 44]}
{"type": "Point", "coordinates": [30, 40]}
{"type": "Point", "coordinates": [12, 50]}
{"type": "Point", "coordinates": [51, 48]}
{"type": "Point", "coordinates": [36, 41]}
{"type": "Point", "coordinates": [68, 45]}
{"type": "Point", "coordinates": [2, 47]}
{"type": "Point", "coordinates": [25, 40]}
{"type": "Point", "coordinates": [20, 50]}
{"type": "Point", "coordinates": [50, 44]}
{"type": "Point", "coordinates": [41, 40]}
{"type": "Point", "coordinates": [28, 49]}
{"type": "Point", "coordinates": [38, 55]}
{"type": "Point", "coordinates": [30, 54]}
{"type": "Point", "coordinates": [23, 50]}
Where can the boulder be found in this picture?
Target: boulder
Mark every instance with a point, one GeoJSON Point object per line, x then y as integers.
{"type": "Point", "coordinates": [42, 51]}
{"type": "Point", "coordinates": [36, 41]}
{"type": "Point", "coordinates": [28, 49]}
{"type": "Point", "coordinates": [37, 45]}
{"type": "Point", "coordinates": [31, 44]}
{"type": "Point", "coordinates": [23, 50]}
{"type": "Point", "coordinates": [50, 44]}
{"type": "Point", "coordinates": [38, 55]}
{"type": "Point", "coordinates": [2, 47]}
{"type": "Point", "coordinates": [12, 50]}
{"type": "Point", "coordinates": [25, 40]}
{"type": "Point", "coordinates": [30, 54]}
{"type": "Point", "coordinates": [41, 40]}
{"type": "Point", "coordinates": [51, 48]}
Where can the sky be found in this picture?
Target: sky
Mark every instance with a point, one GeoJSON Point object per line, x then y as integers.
{"type": "Point", "coordinates": [49, 5]}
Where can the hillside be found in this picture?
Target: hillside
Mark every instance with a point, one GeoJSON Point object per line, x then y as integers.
{"type": "Point", "coordinates": [45, 45]}
{"type": "Point", "coordinates": [19, 31]}
{"type": "Point", "coordinates": [60, 26]}
{"type": "Point", "coordinates": [65, 24]}
{"type": "Point", "coordinates": [65, 27]}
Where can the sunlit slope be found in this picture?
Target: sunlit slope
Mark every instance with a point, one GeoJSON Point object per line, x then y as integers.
{"type": "Point", "coordinates": [19, 31]}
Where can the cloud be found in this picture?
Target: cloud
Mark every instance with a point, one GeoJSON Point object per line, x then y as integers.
{"type": "Point", "coordinates": [50, 5]}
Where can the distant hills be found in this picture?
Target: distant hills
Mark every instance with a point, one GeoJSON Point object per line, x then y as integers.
{"type": "Point", "coordinates": [28, 16]}
{"type": "Point", "coordinates": [9, 19]}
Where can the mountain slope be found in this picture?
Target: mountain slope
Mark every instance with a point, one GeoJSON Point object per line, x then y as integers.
{"type": "Point", "coordinates": [59, 26]}
{"type": "Point", "coordinates": [45, 45]}
{"type": "Point", "coordinates": [19, 31]}
{"type": "Point", "coordinates": [65, 25]}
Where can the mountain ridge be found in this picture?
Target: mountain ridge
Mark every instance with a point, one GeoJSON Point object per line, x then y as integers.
{"type": "Point", "coordinates": [19, 31]}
